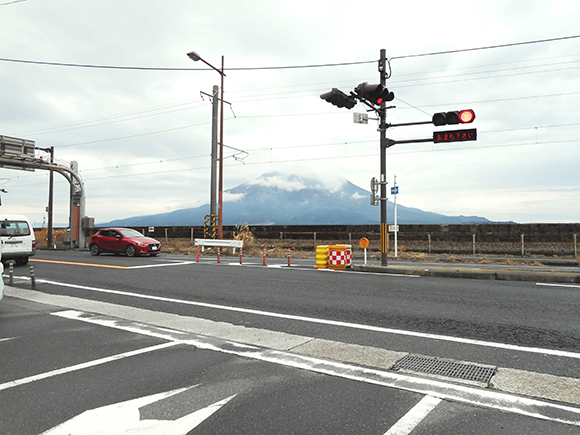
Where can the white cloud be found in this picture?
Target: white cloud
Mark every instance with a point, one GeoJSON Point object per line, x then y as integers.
{"type": "Point", "coordinates": [233, 197]}
{"type": "Point", "coordinates": [142, 138]}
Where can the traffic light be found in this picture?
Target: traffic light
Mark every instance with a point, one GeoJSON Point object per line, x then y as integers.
{"type": "Point", "coordinates": [374, 94]}
{"type": "Point", "coordinates": [456, 117]}
{"type": "Point", "coordinates": [339, 98]}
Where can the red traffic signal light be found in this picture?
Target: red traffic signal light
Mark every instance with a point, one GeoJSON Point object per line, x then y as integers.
{"type": "Point", "coordinates": [374, 94]}
{"type": "Point", "coordinates": [466, 116]}
{"type": "Point", "coordinates": [455, 117]}
{"type": "Point", "coordinates": [339, 98]}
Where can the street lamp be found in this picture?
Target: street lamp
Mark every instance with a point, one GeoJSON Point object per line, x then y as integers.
{"type": "Point", "coordinates": [195, 57]}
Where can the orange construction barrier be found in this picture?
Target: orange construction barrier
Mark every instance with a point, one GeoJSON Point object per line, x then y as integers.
{"type": "Point", "coordinates": [339, 257]}
{"type": "Point", "coordinates": [321, 257]}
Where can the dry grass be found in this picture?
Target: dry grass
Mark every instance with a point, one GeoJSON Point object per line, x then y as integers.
{"type": "Point", "coordinates": [279, 248]}
{"type": "Point", "coordinates": [59, 239]}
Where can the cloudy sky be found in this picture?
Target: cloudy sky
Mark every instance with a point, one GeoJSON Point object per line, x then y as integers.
{"type": "Point", "coordinates": [141, 133]}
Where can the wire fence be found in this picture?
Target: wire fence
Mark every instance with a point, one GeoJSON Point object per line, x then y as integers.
{"type": "Point", "coordinates": [306, 238]}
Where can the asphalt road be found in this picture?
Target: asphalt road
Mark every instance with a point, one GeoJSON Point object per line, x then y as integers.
{"type": "Point", "coordinates": [522, 327]}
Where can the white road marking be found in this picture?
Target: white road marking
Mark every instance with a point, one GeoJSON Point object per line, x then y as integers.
{"type": "Point", "coordinates": [147, 266]}
{"type": "Point", "coordinates": [85, 365]}
{"type": "Point", "coordinates": [558, 285]}
{"type": "Point", "coordinates": [415, 416]}
{"type": "Point", "coordinates": [124, 418]}
{"type": "Point", "coordinates": [473, 396]}
{"type": "Point", "coordinates": [469, 341]}
{"type": "Point", "coordinates": [7, 339]}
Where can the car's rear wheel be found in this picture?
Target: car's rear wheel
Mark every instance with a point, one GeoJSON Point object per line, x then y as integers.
{"type": "Point", "coordinates": [131, 251]}
{"type": "Point", "coordinates": [22, 261]}
{"type": "Point", "coordinates": [94, 249]}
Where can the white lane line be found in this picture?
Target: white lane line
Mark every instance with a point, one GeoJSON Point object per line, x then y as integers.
{"type": "Point", "coordinates": [7, 339]}
{"type": "Point", "coordinates": [493, 399]}
{"type": "Point", "coordinates": [469, 341]}
{"type": "Point", "coordinates": [183, 263]}
{"type": "Point", "coordinates": [85, 365]}
{"type": "Point", "coordinates": [415, 416]}
{"type": "Point", "coordinates": [558, 285]}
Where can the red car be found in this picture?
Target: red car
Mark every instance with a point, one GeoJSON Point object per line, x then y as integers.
{"type": "Point", "coordinates": [123, 240]}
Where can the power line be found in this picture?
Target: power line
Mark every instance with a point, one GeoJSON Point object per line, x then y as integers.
{"type": "Point", "coordinates": [12, 2]}
{"type": "Point", "coordinates": [489, 47]}
{"type": "Point", "coordinates": [310, 158]}
{"type": "Point", "coordinates": [409, 56]}
{"type": "Point", "coordinates": [169, 108]}
{"type": "Point", "coordinates": [144, 68]}
{"type": "Point", "coordinates": [128, 116]}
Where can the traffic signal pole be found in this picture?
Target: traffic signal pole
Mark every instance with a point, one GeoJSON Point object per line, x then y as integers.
{"type": "Point", "coordinates": [383, 143]}
{"type": "Point", "coordinates": [375, 97]}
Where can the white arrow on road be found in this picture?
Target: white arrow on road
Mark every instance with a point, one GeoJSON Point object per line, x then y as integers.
{"type": "Point", "coordinates": [124, 419]}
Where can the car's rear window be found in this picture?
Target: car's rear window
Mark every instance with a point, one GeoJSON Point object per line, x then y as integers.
{"type": "Point", "coordinates": [14, 228]}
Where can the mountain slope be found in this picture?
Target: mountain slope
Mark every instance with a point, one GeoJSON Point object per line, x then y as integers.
{"type": "Point", "coordinates": [277, 199]}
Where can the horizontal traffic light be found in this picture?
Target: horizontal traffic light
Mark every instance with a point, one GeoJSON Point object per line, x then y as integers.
{"type": "Point", "coordinates": [374, 94]}
{"type": "Point", "coordinates": [339, 98]}
{"type": "Point", "coordinates": [455, 117]}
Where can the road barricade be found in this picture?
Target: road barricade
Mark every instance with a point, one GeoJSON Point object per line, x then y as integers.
{"type": "Point", "coordinates": [339, 257]}
{"type": "Point", "coordinates": [321, 257]}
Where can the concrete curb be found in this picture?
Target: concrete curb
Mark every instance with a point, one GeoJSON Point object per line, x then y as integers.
{"type": "Point", "coordinates": [475, 273]}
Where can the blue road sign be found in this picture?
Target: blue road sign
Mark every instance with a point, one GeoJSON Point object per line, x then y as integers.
{"type": "Point", "coordinates": [394, 190]}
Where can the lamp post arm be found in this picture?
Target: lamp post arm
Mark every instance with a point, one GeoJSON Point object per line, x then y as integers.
{"type": "Point", "coordinates": [220, 71]}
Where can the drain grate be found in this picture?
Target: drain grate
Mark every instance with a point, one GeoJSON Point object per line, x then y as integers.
{"type": "Point", "coordinates": [443, 367]}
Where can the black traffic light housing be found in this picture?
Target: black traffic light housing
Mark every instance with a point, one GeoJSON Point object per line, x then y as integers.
{"type": "Point", "coordinates": [455, 117]}
{"type": "Point", "coordinates": [374, 94]}
{"type": "Point", "coordinates": [339, 98]}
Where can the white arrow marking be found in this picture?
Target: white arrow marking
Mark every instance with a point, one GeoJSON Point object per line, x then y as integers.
{"type": "Point", "coordinates": [124, 419]}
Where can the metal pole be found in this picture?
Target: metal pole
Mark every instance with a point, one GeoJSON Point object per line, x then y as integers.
{"type": "Point", "coordinates": [383, 144]}
{"type": "Point", "coordinates": [396, 228]}
{"type": "Point", "coordinates": [221, 169]}
{"type": "Point", "coordinates": [214, 153]}
{"type": "Point", "coordinates": [50, 200]}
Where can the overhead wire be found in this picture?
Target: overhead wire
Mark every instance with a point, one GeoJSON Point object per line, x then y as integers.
{"type": "Point", "coordinates": [158, 110]}
{"type": "Point", "coordinates": [325, 157]}
{"type": "Point", "coordinates": [409, 56]}
{"type": "Point", "coordinates": [173, 107]}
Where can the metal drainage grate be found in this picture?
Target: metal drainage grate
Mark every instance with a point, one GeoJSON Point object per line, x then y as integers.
{"type": "Point", "coordinates": [446, 368]}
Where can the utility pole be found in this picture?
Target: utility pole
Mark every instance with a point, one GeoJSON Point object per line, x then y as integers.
{"type": "Point", "coordinates": [383, 143]}
{"type": "Point", "coordinates": [214, 158]}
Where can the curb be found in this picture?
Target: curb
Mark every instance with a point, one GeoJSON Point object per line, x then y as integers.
{"type": "Point", "coordinates": [473, 273]}
{"type": "Point", "coordinates": [376, 363]}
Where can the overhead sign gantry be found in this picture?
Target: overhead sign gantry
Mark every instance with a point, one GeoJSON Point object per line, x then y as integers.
{"type": "Point", "coordinates": [16, 153]}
